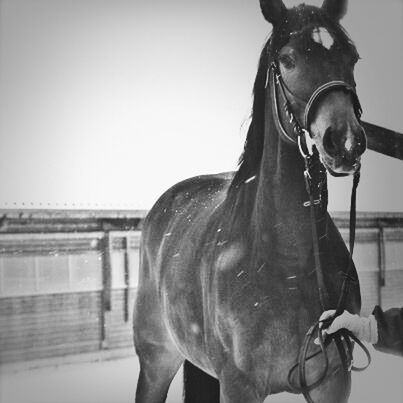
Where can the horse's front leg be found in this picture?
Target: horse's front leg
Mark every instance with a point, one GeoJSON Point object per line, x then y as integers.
{"type": "Point", "coordinates": [335, 389]}
{"type": "Point", "coordinates": [239, 387]}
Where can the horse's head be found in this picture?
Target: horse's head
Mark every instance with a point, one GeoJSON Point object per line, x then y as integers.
{"type": "Point", "coordinates": [313, 60]}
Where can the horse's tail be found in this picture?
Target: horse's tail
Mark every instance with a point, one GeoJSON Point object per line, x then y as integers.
{"type": "Point", "coordinates": [199, 387]}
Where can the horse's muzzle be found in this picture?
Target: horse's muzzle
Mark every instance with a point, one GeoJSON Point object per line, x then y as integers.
{"type": "Point", "coordinates": [343, 149]}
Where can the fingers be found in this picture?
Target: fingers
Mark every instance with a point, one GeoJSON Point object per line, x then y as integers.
{"type": "Point", "coordinates": [331, 329]}
{"type": "Point", "coordinates": [325, 316]}
{"type": "Point", "coordinates": [317, 342]}
{"type": "Point", "coordinates": [329, 325]}
{"type": "Point", "coordinates": [323, 334]}
{"type": "Point", "coordinates": [336, 325]}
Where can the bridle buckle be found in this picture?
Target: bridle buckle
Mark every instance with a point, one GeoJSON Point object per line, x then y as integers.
{"type": "Point", "coordinates": [308, 203]}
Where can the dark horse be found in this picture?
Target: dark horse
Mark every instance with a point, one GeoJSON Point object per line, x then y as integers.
{"type": "Point", "coordinates": [227, 277]}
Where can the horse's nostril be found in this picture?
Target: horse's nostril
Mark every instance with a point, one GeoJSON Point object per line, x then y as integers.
{"type": "Point", "coordinates": [329, 142]}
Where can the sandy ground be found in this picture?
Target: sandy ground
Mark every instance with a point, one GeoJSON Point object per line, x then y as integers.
{"type": "Point", "coordinates": [114, 381]}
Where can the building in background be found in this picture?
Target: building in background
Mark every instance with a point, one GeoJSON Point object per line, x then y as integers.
{"type": "Point", "coordinates": [67, 282]}
{"type": "Point", "coordinates": [68, 278]}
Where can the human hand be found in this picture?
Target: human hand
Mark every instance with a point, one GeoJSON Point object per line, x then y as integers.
{"type": "Point", "coordinates": [365, 329]}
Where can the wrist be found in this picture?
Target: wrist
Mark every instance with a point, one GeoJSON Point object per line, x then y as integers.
{"type": "Point", "coordinates": [367, 329]}
{"type": "Point", "coordinates": [373, 329]}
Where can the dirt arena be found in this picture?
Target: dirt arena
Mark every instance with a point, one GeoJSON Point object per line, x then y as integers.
{"type": "Point", "coordinates": [114, 380]}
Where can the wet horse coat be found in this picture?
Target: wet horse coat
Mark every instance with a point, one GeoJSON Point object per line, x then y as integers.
{"type": "Point", "coordinates": [227, 274]}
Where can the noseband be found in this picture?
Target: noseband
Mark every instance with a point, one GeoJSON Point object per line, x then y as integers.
{"type": "Point", "coordinates": [301, 136]}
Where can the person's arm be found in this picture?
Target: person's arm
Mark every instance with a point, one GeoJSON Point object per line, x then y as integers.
{"type": "Point", "coordinates": [382, 329]}
{"type": "Point", "coordinates": [390, 330]}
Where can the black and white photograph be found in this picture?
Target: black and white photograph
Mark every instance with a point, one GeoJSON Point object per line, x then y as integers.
{"type": "Point", "coordinates": [201, 201]}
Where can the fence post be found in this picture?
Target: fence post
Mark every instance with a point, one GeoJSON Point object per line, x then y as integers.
{"type": "Point", "coordinates": [381, 262]}
{"type": "Point", "coordinates": [106, 287]}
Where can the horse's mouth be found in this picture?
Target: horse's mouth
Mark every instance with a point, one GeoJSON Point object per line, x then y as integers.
{"type": "Point", "coordinates": [340, 167]}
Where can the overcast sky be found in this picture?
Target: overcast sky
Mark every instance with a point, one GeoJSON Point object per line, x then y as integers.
{"type": "Point", "coordinates": [107, 103]}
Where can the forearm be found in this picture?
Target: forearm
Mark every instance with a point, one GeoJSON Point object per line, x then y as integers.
{"type": "Point", "coordinates": [390, 330]}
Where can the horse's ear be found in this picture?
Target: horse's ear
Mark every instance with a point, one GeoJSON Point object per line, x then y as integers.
{"type": "Point", "coordinates": [273, 10]}
{"type": "Point", "coordinates": [335, 9]}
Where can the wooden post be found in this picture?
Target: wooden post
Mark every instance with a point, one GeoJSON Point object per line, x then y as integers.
{"type": "Point", "coordinates": [106, 286]}
{"type": "Point", "coordinates": [384, 141]}
{"type": "Point", "coordinates": [126, 278]}
{"type": "Point", "coordinates": [381, 265]}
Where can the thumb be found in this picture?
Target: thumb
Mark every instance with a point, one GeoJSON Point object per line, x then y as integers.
{"type": "Point", "coordinates": [326, 315]}
{"type": "Point", "coordinates": [336, 325]}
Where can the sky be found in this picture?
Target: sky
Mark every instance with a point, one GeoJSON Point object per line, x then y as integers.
{"type": "Point", "coordinates": [107, 103]}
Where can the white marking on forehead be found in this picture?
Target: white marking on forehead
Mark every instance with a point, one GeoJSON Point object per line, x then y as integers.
{"type": "Point", "coordinates": [321, 35]}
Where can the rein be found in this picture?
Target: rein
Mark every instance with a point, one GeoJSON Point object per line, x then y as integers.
{"type": "Point", "coordinates": [343, 338]}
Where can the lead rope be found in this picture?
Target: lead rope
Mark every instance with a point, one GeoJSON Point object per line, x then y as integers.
{"type": "Point", "coordinates": [341, 335]}
{"type": "Point", "coordinates": [347, 281]}
{"type": "Point", "coordinates": [348, 278]}
{"type": "Point", "coordinates": [323, 295]}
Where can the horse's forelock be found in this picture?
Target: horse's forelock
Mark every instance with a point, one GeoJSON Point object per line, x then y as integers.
{"type": "Point", "coordinates": [304, 16]}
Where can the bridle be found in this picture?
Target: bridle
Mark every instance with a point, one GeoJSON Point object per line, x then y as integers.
{"type": "Point", "coordinates": [301, 137]}
{"type": "Point", "coordinates": [301, 133]}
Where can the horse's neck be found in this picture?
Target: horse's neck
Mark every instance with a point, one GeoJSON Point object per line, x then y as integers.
{"type": "Point", "coordinates": [279, 208]}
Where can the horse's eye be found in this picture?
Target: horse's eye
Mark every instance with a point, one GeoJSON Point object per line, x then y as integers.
{"type": "Point", "coordinates": [287, 61]}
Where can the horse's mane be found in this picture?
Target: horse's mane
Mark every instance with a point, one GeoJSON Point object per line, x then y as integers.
{"type": "Point", "coordinates": [297, 18]}
{"type": "Point", "coordinates": [251, 156]}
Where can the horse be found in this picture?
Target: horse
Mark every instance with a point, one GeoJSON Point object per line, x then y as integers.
{"type": "Point", "coordinates": [228, 271]}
